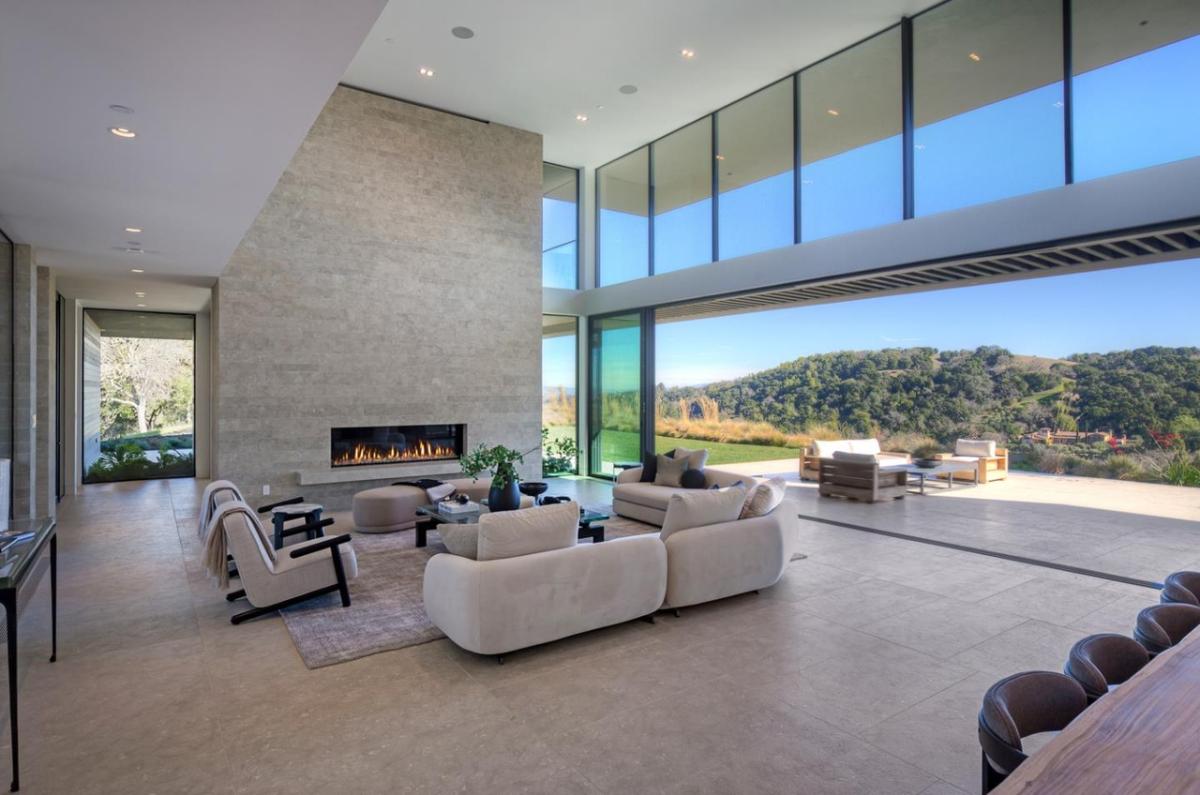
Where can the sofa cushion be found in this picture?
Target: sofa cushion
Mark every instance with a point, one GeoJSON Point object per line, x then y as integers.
{"type": "Point", "coordinates": [510, 534]}
{"type": "Point", "coordinates": [855, 458]}
{"type": "Point", "coordinates": [981, 448]}
{"type": "Point", "coordinates": [763, 498]}
{"type": "Point", "coordinates": [693, 479]}
{"type": "Point", "coordinates": [670, 471]}
{"type": "Point", "coordinates": [825, 448]}
{"type": "Point", "coordinates": [649, 468]}
{"type": "Point", "coordinates": [864, 446]}
{"type": "Point", "coordinates": [646, 494]}
{"type": "Point", "coordinates": [696, 459]}
{"type": "Point", "coordinates": [460, 539]}
{"type": "Point", "coordinates": [699, 508]}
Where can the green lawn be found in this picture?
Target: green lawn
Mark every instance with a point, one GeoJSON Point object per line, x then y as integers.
{"type": "Point", "coordinates": [623, 446]}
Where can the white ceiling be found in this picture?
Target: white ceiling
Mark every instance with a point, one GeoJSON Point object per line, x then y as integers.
{"type": "Point", "coordinates": [535, 64]}
{"type": "Point", "coordinates": [223, 92]}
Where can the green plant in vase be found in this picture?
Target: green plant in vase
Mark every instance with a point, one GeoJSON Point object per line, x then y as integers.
{"type": "Point", "coordinates": [926, 455]}
{"type": "Point", "coordinates": [501, 462]}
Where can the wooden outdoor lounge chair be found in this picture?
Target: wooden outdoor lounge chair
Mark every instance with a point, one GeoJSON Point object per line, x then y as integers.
{"type": "Point", "coordinates": [856, 476]}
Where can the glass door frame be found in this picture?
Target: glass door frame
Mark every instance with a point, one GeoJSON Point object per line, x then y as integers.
{"type": "Point", "coordinates": [646, 388]}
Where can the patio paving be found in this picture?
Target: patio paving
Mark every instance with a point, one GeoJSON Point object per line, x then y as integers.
{"type": "Point", "coordinates": [1139, 530]}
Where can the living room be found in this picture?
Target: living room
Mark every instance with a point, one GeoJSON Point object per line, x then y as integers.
{"type": "Point", "coordinates": [637, 407]}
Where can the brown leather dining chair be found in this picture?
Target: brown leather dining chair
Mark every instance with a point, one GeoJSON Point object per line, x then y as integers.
{"type": "Point", "coordinates": [1182, 587]}
{"type": "Point", "coordinates": [1098, 662]}
{"type": "Point", "coordinates": [1159, 627]}
{"type": "Point", "coordinates": [1019, 706]}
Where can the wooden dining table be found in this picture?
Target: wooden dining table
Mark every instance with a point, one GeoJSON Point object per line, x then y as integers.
{"type": "Point", "coordinates": [1143, 737]}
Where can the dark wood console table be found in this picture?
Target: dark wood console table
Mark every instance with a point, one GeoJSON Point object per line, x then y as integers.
{"type": "Point", "coordinates": [24, 549]}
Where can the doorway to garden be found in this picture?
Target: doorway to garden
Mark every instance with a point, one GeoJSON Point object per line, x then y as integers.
{"type": "Point", "coordinates": [138, 395]}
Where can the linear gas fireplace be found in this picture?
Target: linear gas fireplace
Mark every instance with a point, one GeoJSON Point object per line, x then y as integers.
{"type": "Point", "coordinates": [395, 444]}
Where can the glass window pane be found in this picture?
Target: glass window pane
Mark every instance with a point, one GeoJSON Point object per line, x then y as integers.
{"type": "Point", "coordinates": [988, 99]}
{"type": "Point", "coordinates": [851, 147]}
{"type": "Point", "coordinates": [683, 198]}
{"type": "Point", "coordinates": [616, 380]}
{"type": "Point", "coordinates": [754, 172]}
{"type": "Point", "coordinates": [559, 339]}
{"type": "Point", "coordinates": [560, 224]}
{"type": "Point", "coordinates": [1135, 67]}
{"type": "Point", "coordinates": [624, 235]}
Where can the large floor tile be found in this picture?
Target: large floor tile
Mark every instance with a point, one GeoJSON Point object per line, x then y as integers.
{"type": "Point", "coordinates": [944, 627]}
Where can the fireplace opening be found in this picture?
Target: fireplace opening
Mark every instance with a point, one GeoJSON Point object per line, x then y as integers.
{"type": "Point", "coordinates": [395, 444]}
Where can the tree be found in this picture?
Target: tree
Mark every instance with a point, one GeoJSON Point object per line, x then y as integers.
{"type": "Point", "coordinates": [144, 374]}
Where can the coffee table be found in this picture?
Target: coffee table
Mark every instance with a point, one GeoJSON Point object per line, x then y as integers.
{"type": "Point", "coordinates": [923, 474]}
{"type": "Point", "coordinates": [429, 517]}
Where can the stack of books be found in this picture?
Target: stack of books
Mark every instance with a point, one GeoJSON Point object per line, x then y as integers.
{"type": "Point", "coordinates": [455, 507]}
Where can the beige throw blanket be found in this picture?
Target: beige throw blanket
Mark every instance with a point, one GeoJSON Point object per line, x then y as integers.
{"type": "Point", "coordinates": [208, 504]}
{"type": "Point", "coordinates": [216, 546]}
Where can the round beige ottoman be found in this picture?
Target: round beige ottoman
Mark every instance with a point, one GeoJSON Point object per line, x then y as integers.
{"type": "Point", "coordinates": [388, 508]}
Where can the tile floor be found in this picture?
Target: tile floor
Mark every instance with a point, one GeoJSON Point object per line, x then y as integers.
{"type": "Point", "coordinates": [860, 672]}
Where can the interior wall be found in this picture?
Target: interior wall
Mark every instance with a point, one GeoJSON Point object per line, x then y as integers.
{"type": "Point", "coordinates": [203, 385]}
{"type": "Point", "coordinates": [393, 277]}
{"type": "Point", "coordinates": [24, 466]}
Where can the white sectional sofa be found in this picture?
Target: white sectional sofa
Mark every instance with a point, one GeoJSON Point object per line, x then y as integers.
{"type": "Point", "coordinates": [647, 502]}
{"type": "Point", "coordinates": [544, 586]}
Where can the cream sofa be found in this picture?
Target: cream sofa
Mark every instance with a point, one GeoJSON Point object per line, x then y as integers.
{"type": "Point", "coordinates": [810, 459]}
{"type": "Point", "coordinates": [719, 560]}
{"type": "Point", "coordinates": [495, 605]}
{"type": "Point", "coordinates": [647, 502]}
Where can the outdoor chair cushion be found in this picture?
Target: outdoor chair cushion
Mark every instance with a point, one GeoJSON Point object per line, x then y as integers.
{"type": "Point", "coordinates": [870, 446]}
{"type": "Point", "coordinates": [979, 448]}
{"type": "Point", "coordinates": [855, 458]}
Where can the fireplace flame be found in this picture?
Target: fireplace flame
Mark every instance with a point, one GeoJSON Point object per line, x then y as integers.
{"type": "Point", "coordinates": [363, 453]}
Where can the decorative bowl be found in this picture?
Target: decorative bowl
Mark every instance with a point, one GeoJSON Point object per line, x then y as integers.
{"type": "Point", "coordinates": [925, 463]}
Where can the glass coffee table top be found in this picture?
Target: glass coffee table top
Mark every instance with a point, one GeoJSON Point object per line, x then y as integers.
{"type": "Point", "coordinates": [586, 516]}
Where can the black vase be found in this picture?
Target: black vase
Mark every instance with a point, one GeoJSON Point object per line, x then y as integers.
{"type": "Point", "coordinates": [504, 498]}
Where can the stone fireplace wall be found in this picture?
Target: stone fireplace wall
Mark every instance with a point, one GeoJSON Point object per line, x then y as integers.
{"type": "Point", "coordinates": [393, 277]}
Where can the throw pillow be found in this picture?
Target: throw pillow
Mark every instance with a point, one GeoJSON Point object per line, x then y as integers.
{"type": "Point", "coordinates": [649, 468]}
{"type": "Point", "coordinates": [693, 479]}
{"type": "Point", "coordinates": [460, 539]}
{"type": "Point", "coordinates": [983, 448]}
{"type": "Point", "coordinates": [764, 498]}
{"type": "Point", "coordinates": [510, 534]}
{"type": "Point", "coordinates": [696, 459]}
{"type": "Point", "coordinates": [670, 471]}
{"type": "Point", "coordinates": [700, 508]}
{"type": "Point", "coordinates": [855, 458]}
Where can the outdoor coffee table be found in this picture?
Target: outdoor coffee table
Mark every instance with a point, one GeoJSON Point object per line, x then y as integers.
{"type": "Point", "coordinates": [429, 517]}
{"type": "Point", "coordinates": [947, 468]}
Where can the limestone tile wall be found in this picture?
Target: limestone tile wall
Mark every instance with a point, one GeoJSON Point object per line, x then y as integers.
{"type": "Point", "coordinates": [25, 452]}
{"type": "Point", "coordinates": [393, 276]}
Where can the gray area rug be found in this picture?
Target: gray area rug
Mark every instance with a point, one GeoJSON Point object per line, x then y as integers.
{"type": "Point", "coordinates": [387, 611]}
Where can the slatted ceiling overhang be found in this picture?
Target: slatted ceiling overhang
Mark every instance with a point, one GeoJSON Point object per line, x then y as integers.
{"type": "Point", "coordinates": [1131, 248]}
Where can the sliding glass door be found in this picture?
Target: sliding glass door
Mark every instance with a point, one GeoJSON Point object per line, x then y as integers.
{"type": "Point", "coordinates": [616, 392]}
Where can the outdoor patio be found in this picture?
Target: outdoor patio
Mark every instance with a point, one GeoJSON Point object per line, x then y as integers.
{"type": "Point", "coordinates": [1139, 530]}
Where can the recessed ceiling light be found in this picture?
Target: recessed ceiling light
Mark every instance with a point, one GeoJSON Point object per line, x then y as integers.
{"type": "Point", "coordinates": [462, 32]}
{"type": "Point", "coordinates": [133, 229]}
{"type": "Point", "coordinates": [974, 56]}
{"type": "Point", "coordinates": [580, 117]}
{"type": "Point", "coordinates": [426, 71]}
{"type": "Point", "coordinates": [140, 294]}
{"type": "Point", "coordinates": [122, 132]}
{"type": "Point", "coordinates": [628, 88]}
{"type": "Point", "coordinates": [599, 107]}
{"type": "Point", "coordinates": [720, 157]}
{"type": "Point", "coordinates": [141, 306]}
{"type": "Point", "coordinates": [686, 53]}
{"type": "Point", "coordinates": [121, 108]}
{"type": "Point", "coordinates": [833, 112]}
{"type": "Point", "coordinates": [136, 270]}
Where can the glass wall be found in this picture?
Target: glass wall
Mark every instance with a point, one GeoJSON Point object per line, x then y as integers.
{"type": "Point", "coordinates": [682, 185]}
{"type": "Point", "coordinates": [755, 158]}
{"type": "Point", "coordinates": [560, 226]}
{"type": "Point", "coordinates": [616, 391]}
{"type": "Point", "coordinates": [987, 102]}
{"type": "Point", "coordinates": [623, 236]}
{"type": "Point", "coordinates": [559, 355]}
{"type": "Point", "coordinates": [138, 395]}
{"type": "Point", "coordinates": [851, 142]}
{"type": "Point", "coordinates": [1135, 68]}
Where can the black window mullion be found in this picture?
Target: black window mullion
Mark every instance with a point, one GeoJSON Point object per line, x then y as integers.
{"type": "Point", "coordinates": [650, 210]}
{"type": "Point", "coordinates": [796, 158]}
{"type": "Point", "coordinates": [906, 103]}
{"type": "Point", "coordinates": [1068, 113]}
{"type": "Point", "coordinates": [648, 388]}
{"type": "Point", "coordinates": [716, 177]}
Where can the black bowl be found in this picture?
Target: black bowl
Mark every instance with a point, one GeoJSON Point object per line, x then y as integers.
{"type": "Point", "coordinates": [925, 463]}
{"type": "Point", "coordinates": [533, 488]}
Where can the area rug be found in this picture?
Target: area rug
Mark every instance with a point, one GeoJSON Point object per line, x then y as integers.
{"type": "Point", "coordinates": [388, 610]}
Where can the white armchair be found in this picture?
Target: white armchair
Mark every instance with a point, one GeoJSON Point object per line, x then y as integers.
{"type": "Point", "coordinates": [273, 579]}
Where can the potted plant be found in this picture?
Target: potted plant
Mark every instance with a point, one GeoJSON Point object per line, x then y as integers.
{"type": "Point", "coordinates": [501, 462]}
{"type": "Point", "coordinates": [927, 456]}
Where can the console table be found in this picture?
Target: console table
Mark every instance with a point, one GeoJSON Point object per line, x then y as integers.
{"type": "Point", "coordinates": [24, 549]}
